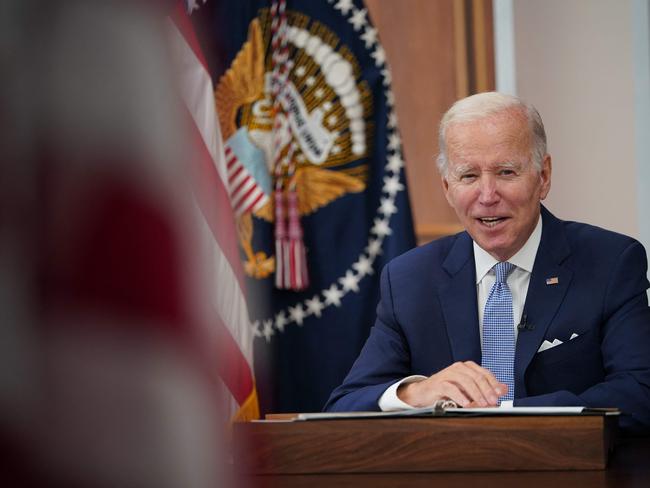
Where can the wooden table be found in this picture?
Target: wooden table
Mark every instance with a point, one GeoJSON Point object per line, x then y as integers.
{"type": "Point", "coordinates": [535, 452]}
{"type": "Point", "coordinates": [629, 467]}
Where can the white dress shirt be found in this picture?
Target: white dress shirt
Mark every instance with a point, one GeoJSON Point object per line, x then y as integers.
{"type": "Point", "coordinates": [518, 281]}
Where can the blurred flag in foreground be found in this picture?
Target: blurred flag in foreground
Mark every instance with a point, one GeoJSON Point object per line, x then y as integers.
{"type": "Point", "coordinates": [314, 171]}
{"type": "Point", "coordinates": [110, 352]}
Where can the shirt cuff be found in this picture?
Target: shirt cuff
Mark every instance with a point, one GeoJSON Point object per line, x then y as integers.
{"type": "Point", "coordinates": [390, 402]}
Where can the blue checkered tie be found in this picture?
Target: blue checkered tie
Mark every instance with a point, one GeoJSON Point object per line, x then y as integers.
{"type": "Point", "coordinates": [499, 331]}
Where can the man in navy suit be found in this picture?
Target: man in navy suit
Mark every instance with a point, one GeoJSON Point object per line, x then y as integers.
{"type": "Point", "coordinates": [578, 317]}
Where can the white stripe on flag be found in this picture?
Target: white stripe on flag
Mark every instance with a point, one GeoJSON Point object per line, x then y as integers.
{"type": "Point", "coordinates": [197, 92]}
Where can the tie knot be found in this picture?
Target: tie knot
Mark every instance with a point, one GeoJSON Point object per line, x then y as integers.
{"type": "Point", "coordinates": [502, 270]}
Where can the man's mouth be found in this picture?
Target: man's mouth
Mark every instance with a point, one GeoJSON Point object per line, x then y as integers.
{"type": "Point", "coordinates": [491, 221]}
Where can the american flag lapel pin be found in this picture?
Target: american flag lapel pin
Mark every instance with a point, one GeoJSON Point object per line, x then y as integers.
{"type": "Point", "coordinates": [552, 280]}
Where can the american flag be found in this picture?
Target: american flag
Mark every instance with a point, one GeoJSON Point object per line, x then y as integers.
{"type": "Point", "coordinates": [245, 194]}
{"type": "Point", "coordinates": [230, 333]}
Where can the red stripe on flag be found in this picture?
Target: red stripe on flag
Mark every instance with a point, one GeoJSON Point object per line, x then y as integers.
{"type": "Point", "coordinates": [246, 180]}
{"type": "Point", "coordinates": [232, 177]}
{"type": "Point", "coordinates": [251, 197]}
{"type": "Point", "coordinates": [233, 159]}
{"type": "Point", "coordinates": [252, 205]}
{"type": "Point", "coordinates": [215, 203]}
{"type": "Point", "coordinates": [246, 195]}
{"type": "Point", "coordinates": [244, 204]}
{"type": "Point", "coordinates": [232, 365]}
{"type": "Point", "coordinates": [184, 25]}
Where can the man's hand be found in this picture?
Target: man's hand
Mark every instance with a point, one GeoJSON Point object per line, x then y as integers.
{"type": "Point", "coordinates": [466, 383]}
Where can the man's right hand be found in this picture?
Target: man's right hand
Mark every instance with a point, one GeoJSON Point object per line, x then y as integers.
{"type": "Point", "coordinates": [466, 383]}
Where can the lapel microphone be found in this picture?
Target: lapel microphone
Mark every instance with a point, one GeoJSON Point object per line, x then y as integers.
{"type": "Point", "coordinates": [523, 324]}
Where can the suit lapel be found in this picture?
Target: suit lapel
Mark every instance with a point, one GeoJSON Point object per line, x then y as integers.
{"type": "Point", "coordinates": [542, 299]}
{"type": "Point", "coordinates": [458, 301]}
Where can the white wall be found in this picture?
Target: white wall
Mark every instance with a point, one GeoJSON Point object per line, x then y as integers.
{"type": "Point", "coordinates": [584, 65]}
{"type": "Point", "coordinates": [641, 41]}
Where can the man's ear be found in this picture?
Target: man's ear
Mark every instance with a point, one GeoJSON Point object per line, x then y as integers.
{"type": "Point", "coordinates": [545, 176]}
{"type": "Point", "coordinates": [445, 188]}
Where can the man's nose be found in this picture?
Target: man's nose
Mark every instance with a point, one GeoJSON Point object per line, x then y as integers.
{"type": "Point", "coordinates": [488, 191]}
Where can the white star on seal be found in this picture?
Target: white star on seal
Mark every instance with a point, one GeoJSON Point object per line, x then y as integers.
{"type": "Point", "coordinates": [268, 330]}
{"type": "Point", "coordinates": [369, 37]}
{"type": "Point", "coordinates": [379, 55]}
{"type": "Point", "coordinates": [374, 247]}
{"type": "Point", "coordinates": [256, 329]}
{"type": "Point", "coordinates": [331, 120]}
{"type": "Point", "coordinates": [310, 81]}
{"type": "Point", "coordinates": [393, 141]}
{"type": "Point", "coordinates": [344, 6]}
{"type": "Point", "coordinates": [387, 207]}
{"type": "Point", "coordinates": [281, 321]}
{"type": "Point", "coordinates": [392, 120]}
{"type": "Point", "coordinates": [358, 19]}
{"type": "Point", "coordinates": [387, 76]}
{"type": "Point", "coordinates": [297, 314]}
{"type": "Point", "coordinates": [395, 163]}
{"type": "Point", "coordinates": [392, 185]}
{"type": "Point", "coordinates": [363, 266]}
{"type": "Point", "coordinates": [390, 98]}
{"type": "Point", "coordinates": [300, 71]}
{"type": "Point", "coordinates": [350, 281]}
{"type": "Point", "coordinates": [333, 295]}
{"type": "Point", "coordinates": [319, 92]}
{"type": "Point", "coordinates": [381, 227]}
{"type": "Point", "coordinates": [315, 306]}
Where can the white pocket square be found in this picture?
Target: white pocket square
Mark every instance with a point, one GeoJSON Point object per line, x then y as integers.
{"type": "Point", "coordinates": [556, 342]}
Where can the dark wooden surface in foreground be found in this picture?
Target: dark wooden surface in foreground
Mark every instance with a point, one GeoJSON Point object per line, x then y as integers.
{"type": "Point", "coordinates": [419, 445]}
{"type": "Point", "coordinates": [629, 467]}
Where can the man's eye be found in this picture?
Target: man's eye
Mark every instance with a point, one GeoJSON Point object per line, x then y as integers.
{"type": "Point", "coordinates": [507, 172]}
{"type": "Point", "coordinates": [467, 177]}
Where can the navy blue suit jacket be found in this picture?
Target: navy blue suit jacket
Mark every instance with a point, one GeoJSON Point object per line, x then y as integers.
{"type": "Point", "coordinates": [427, 319]}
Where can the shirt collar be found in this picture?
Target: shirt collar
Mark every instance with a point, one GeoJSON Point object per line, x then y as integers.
{"type": "Point", "coordinates": [524, 258]}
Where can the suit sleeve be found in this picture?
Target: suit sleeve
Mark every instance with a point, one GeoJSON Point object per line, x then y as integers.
{"type": "Point", "coordinates": [384, 359]}
{"type": "Point", "coordinates": [625, 348]}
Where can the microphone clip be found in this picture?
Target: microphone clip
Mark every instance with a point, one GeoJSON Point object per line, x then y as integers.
{"type": "Point", "coordinates": [523, 324]}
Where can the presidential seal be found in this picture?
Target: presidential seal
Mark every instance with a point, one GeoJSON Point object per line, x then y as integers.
{"type": "Point", "coordinates": [295, 123]}
{"type": "Point", "coordinates": [297, 113]}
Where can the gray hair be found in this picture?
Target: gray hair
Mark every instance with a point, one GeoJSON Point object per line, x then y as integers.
{"type": "Point", "coordinates": [481, 105]}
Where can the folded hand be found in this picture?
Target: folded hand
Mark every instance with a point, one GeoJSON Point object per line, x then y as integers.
{"type": "Point", "coordinates": [466, 383]}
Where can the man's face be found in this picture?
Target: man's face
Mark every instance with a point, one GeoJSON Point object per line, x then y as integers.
{"type": "Point", "coordinates": [492, 184]}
